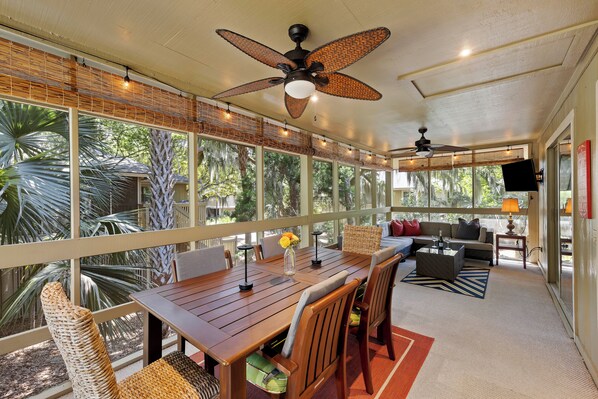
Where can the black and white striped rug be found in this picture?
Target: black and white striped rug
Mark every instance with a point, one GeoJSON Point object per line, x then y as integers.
{"type": "Point", "coordinates": [471, 281]}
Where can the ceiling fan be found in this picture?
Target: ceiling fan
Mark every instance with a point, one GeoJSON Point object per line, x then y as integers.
{"type": "Point", "coordinates": [307, 71]}
{"type": "Point", "coordinates": [424, 147]}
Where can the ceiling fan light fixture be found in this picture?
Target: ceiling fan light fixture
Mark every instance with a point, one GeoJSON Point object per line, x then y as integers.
{"type": "Point", "coordinates": [300, 88]}
{"type": "Point", "coordinates": [422, 152]}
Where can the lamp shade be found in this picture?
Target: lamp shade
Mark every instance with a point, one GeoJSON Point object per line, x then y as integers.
{"type": "Point", "coordinates": [568, 207]}
{"type": "Point", "coordinates": [510, 205]}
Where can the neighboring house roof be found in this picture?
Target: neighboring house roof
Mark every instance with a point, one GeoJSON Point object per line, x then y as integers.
{"type": "Point", "coordinates": [130, 167]}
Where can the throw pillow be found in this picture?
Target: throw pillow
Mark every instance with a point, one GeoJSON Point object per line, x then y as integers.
{"type": "Point", "coordinates": [397, 228]}
{"type": "Point", "coordinates": [411, 228]}
{"type": "Point", "coordinates": [482, 237]}
{"type": "Point", "coordinates": [468, 230]}
{"type": "Point", "coordinates": [385, 229]}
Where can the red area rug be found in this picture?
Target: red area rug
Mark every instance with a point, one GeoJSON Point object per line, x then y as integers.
{"type": "Point", "coordinates": [392, 380]}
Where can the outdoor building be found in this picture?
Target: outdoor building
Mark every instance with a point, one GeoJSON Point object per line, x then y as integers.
{"type": "Point", "coordinates": [122, 150]}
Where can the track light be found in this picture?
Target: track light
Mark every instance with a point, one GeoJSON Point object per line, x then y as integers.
{"type": "Point", "coordinates": [126, 78]}
{"type": "Point", "coordinates": [227, 113]}
{"type": "Point", "coordinates": [285, 131]}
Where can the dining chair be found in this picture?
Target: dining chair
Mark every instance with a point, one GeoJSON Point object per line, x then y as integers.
{"type": "Point", "coordinates": [374, 312]}
{"type": "Point", "coordinates": [363, 240]}
{"type": "Point", "coordinates": [200, 262]}
{"type": "Point", "coordinates": [195, 263]}
{"type": "Point", "coordinates": [268, 247]}
{"type": "Point", "coordinates": [315, 347]}
{"type": "Point", "coordinates": [78, 339]}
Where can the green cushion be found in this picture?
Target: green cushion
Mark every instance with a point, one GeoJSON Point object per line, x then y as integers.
{"type": "Point", "coordinates": [263, 374]}
{"type": "Point", "coordinates": [355, 317]}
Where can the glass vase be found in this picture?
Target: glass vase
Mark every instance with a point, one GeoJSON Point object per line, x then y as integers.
{"type": "Point", "coordinates": [289, 261]}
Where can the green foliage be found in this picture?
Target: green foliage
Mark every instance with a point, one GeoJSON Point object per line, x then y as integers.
{"type": "Point", "coordinates": [322, 183]}
{"type": "Point", "coordinates": [282, 178]}
{"type": "Point", "coordinates": [346, 187]}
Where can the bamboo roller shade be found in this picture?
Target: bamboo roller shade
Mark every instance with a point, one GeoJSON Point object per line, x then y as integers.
{"type": "Point", "coordinates": [31, 74]}
{"type": "Point", "coordinates": [459, 160]}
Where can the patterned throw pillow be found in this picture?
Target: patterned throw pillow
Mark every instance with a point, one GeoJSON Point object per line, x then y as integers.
{"type": "Point", "coordinates": [411, 228]}
{"type": "Point", "coordinates": [468, 230]}
{"type": "Point", "coordinates": [396, 228]}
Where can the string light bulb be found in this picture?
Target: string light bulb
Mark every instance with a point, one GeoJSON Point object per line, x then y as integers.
{"type": "Point", "coordinates": [323, 141]}
{"type": "Point", "coordinates": [508, 149]}
{"type": "Point", "coordinates": [126, 78]}
{"type": "Point", "coordinates": [411, 160]}
{"type": "Point", "coordinates": [227, 113]}
{"type": "Point", "coordinates": [349, 150]}
{"type": "Point", "coordinates": [285, 131]}
{"type": "Point", "coordinates": [314, 98]}
{"type": "Point", "coordinates": [370, 155]}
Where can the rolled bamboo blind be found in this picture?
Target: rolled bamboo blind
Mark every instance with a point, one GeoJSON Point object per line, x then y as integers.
{"type": "Point", "coordinates": [31, 74]}
{"type": "Point", "coordinates": [460, 160]}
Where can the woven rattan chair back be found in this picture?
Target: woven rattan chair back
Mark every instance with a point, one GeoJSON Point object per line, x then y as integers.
{"type": "Point", "coordinates": [364, 240]}
{"type": "Point", "coordinates": [321, 344]}
{"type": "Point", "coordinates": [80, 344]}
{"type": "Point", "coordinates": [376, 314]}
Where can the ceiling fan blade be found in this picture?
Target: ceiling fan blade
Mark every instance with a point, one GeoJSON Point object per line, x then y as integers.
{"type": "Point", "coordinates": [404, 154]}
{"type": "Point", "coordinates": [342, 85]}
{"type": "Point", "coordinates": [250, 87]}
{"type": "Point", "coordinates": [343, 52]}
{"type": "Point", "coordinates": [255, 50]}
{"type": "Point", "coordinates": [444, 147]}
{"type": "Point", "coordinates": [403, 149]}
{"type": "Point", "coordinates": [295, 106]}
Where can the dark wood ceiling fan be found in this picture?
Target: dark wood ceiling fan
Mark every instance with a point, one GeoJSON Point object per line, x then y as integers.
{"type": "Point", "coordinates": [307, 71]}
{"type": "Point", "coordinates": [424, 147]}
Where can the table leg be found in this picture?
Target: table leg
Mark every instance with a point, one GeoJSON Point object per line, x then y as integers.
{"type": "Point", "coordinates": [497, 245]}
{"type": "Point", "coordinates": [524, 254]}
{"type": "Point", "coordinates": [232, 380]}
{"type": "Point", "coordinates": [152, 338]}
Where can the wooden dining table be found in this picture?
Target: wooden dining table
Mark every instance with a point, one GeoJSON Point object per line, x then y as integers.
{"type": "Point", "coordinates": [227, 324]}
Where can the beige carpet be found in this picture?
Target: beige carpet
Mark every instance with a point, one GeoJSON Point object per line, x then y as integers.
{"type": "Point", "coordinates": [512, 344]}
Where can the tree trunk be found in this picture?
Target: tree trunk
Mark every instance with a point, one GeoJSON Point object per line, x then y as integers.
{"type": "Point", "coordinates": [161, 209]}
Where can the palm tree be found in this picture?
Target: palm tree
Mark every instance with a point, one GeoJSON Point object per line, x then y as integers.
{"type": "Point", "coordinates": [35, 206]}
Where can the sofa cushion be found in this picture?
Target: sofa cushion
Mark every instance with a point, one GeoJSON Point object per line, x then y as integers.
{"type": "Point", "coordinates": [411, 228]}
{"type": "Point", "coordinates": [385, 228]}
{"type": "Point", "coordinates": [473, 244]}
{"type": "Point", "coordinates": [468, 230]}
{"type": "Point", "coordinates": [423, 239]}
{"type": "Point", "coordinates": [454, 228]}
{"type": "Point", "coordinates": [434, 229]}
{"type": "Point", "coordinates": [397, 228]}
{"type": "Point", "coordinates": [482, 237]}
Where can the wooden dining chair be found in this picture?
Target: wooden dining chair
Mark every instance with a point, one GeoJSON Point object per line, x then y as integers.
{"type": "Point", "coordinates": [78, 339]}
{"type": "Point", "coordinates": [195, 263]}
{"type": "Point", "coordinates": [374, 312]}
{"type": "Point", "coordinates": [315, 347]}
{"type": "Point", "coordinates": [364, 240]}
{"type": "Point", "coordinates": [268, 247]}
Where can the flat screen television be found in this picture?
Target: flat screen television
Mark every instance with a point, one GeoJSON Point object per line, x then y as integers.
{"type": "Point", "coordinates": [520, 176]}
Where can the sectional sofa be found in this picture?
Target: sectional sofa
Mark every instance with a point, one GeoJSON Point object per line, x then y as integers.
{"type": "Point", "coordinates": [482, 248]}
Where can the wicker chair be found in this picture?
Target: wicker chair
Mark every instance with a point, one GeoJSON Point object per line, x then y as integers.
{"type": "Point", "coordinates": [374, 312]}
{"type": "Point", "coordinates": [312, 360]}
{"type": "Point", "coordinates": [364, 240]}
{"type": "Point", "coordinates": [78, 339]}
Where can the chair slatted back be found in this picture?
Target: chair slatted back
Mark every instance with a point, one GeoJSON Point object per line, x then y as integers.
{"type": "Point", "coordinates": [321, 341]}
{"type": "Point", "coordinates": [378, 293]}
{"type": "Point", "coordinates": [364, 240]}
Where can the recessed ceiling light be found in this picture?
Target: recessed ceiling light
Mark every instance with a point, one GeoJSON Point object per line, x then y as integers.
{"type": "Point", "coordinates": [466, 52]}
{"type": "Point", "coordinates": [314, 98]}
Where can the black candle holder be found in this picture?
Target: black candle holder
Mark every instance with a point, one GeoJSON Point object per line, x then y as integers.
{"type": "Point", "coordinates": [316, 262]}
{"type": "Point", "coordinates": [245, 286]}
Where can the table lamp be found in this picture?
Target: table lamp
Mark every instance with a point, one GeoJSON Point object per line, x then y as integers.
{"type": "Point", "coordinates": [316, 262]}
{"type": "Point", "coordinates": [245, 286]}
{"type": "Point", "coordinates": [510, 205]}
{"type": "Point", "coordinates": [568, 207]}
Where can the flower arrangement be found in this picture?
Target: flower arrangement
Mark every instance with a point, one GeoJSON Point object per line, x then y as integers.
{"type": "Point", "coordinates": [288, 239]}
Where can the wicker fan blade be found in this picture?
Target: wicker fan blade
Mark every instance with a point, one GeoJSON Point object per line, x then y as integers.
{"type": "Point", "coordinates": [404, 154]}
{"type": "Point", "coordinates": [343, 52]}
{"type": "Point", "coordinates": [451, 148]}
{"type": "Point", "coordinates": [342, 85]}
{"type": "Point", "coordinates": [255, 50]}
{"type": "Point", "coordinates": [250, 87]}
{"type": "Point", "coordinates": [403, 149]}
{"type": "Point", "coordinates": [295, 106]}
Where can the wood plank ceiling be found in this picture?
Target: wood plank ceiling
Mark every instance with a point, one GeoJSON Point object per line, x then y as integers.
{"type": "Point", "coordinates": [523, 54]}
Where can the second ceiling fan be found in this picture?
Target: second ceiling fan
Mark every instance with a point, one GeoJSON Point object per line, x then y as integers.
{"type": "Point", "coordinates": [307, 71]}
{"type": "Point", "coordinates": [424, 147]}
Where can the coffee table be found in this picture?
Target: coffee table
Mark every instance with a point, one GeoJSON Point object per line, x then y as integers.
{"type": "Point", "coordinates": [445, 264]}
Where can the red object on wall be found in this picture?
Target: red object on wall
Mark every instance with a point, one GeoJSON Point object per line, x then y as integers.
{"type": "Point", "coordinates": [584, 180]}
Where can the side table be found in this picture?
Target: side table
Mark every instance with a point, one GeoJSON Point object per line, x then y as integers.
{"type": "Point", "coordinates": [510, 246]}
